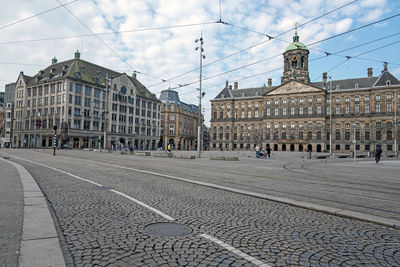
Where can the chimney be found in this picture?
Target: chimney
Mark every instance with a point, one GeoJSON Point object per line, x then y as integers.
{"type": "Point", "coordinates": [324, 76]}
{"type": "Point", "coordinates": [369, 72]}
{"type": "Point", "coordinates": [235, 85]}
{"type": "Point", "coordinates": [230, 87]}
{"type": "Point", "coordinates": [269, 82]}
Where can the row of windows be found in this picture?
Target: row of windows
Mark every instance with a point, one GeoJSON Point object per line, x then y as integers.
{"type": "Point", "coordinates": [300, 101]}
{"type": "Point", "coordinates": [307, 111]}
{"type": "Point", "coordinates": [318, 125]}
{"type": "Point", "coordinates": [300, 136]}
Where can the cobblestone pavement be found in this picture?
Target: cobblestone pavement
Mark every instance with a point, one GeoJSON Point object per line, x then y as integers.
{"type": "Point", "coordinates": [103, 228]}
{"type": "Point", "coordinates": [363, 187]}
{"type": "Point", "coordinates": [11, 213]}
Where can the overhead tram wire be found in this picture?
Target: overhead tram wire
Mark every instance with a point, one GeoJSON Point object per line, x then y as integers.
{"type": "Point", "coordinates": [336, 53]}
{"type": "Point", "coordinates": [263, 60]}
{"type": "Point", "coordinates": [252, 46]}
{"type": "Point", "coordinates": [114, 52]}
{"type": "Point", "coordinates": [363, 53]}
{"type": "Point", "coordinates": [107, 33]}
{"type": "Point", "coordinates": [38, 14]}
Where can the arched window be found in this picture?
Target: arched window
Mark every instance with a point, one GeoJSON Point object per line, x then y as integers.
{"type": "Point", "coordinates": [302, 62]}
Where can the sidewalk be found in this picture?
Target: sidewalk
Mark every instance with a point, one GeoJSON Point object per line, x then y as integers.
{"type": "Point", "coordinates": [11, 214]}
{"type": "Point", "coordinates": [31, 238]}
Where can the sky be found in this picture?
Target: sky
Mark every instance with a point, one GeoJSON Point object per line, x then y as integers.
{"type": "Point", "coordinates": [140, 35]}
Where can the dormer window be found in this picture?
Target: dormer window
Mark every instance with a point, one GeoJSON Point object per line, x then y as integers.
{"type": "Point", "coordinates": [82, 69]}
{"type": "Point", "coordinates": [337, 87]}
{"type": "Point", "coordinates": [388, 82]}
{"type": "Point", "coordinates": [78, 75]}
{"type": "Point", "coordinates": [52, 70]}
{"type": "Point", "coordinates": [65, 67]}
{"type": "Point", "coordinates": [356, 86]}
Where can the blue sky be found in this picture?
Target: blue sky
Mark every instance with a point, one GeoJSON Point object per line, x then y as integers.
{"type": "Point", "coordinates": [166, 53]}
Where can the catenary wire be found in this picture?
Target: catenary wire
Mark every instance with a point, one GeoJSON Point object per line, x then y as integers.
{"type": "Point", "coordinates": [106, 33]}
{"type": "Point", "coordinates": [252, 46]}
{"type": "Point", "coordinates": [36, 15]}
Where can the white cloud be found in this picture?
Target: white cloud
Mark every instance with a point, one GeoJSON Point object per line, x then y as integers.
{"type": "Point", "coordinates": [162, 54]}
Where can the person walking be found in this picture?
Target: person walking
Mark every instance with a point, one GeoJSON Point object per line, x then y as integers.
{"type": "Point", "coordinates": [378, 155]}
{"type": "Point", "coordinates": [268, 149]}
{"type": "Point", "coordinates": [169, 148]}
{"type": "Point", "coordinates": [257, 151]}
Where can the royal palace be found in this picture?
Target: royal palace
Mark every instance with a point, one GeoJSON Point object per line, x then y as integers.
{"type": "Point", "coordinates": [296, 115]}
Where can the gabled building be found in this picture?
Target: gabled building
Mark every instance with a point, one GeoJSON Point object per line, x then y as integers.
{"type": "Point", "coordinates": [295, 116]}
{"type": "Point", "coordinates": [84, 102]}
{"type": "Point", "coordinates": [179, 121]}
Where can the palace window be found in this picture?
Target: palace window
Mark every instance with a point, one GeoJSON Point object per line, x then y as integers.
{"type": "Point", "coordinates": [366, 136]}
{"type": "Point", "coordinates": [301, 111]}
{"type": "Point", "coordinates": [389, 107]}
{"type": "Point", "coordinates": [292, 111]}
{"type": "Point", "coordinates": [357, 109]}
{"type": "Point", "coordinates": [378, 108]}
{"type": "Point", "coordinates": [378, 135]}
{"type": "Point", "coordinates": [367, 110]}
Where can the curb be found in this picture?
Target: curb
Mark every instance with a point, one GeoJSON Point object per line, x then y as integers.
{"type": "Point", "coordinates": [39, 244]}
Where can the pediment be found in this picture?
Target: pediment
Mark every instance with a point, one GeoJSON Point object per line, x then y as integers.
{"type": "Point", "coordinates": [294, 87]}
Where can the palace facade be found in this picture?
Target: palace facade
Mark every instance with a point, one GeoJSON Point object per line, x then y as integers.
{"type": "Point", "coordinates": [296, 115]}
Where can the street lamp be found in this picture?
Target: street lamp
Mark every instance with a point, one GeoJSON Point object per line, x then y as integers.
{"type": "Point", "coordinates": [55, 139]}
{"type": "Point", "coordinates": [395, 123]}
{"type": "Point", "coordinates": [201, 95]}
{"type": "Point", "coordinates": [355, 142]}
{"type": "Point", "coordinates": [106, 113]}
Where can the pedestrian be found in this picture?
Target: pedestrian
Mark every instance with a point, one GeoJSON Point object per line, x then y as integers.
{"type": "Point", "coordinates": [169, 148]}
{"type": "Point", "coordinates": [268, 149]}
{"type": "Point", "coordinates": [257, 151]}
{"type": "Point", "coordinates": [378, 155]}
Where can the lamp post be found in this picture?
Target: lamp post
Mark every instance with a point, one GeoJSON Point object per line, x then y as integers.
{"type": "Point", "coordinates": [395, 124]}
{"type": "Point", "coordinates": [55, 139]}
{"type": "Point", "coordinates": [355, 142]}
{"type": "Point", "coordinates": [199, 126]}
{"type": "Point", "coordinates": [330, 115]}
{"type": "Point", "coordinates": [106, 114]}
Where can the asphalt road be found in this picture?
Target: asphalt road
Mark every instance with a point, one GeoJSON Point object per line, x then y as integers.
{"type": "Point", "coordinates": [122, 210]}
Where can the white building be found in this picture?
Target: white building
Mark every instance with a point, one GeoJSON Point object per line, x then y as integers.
{"type": "Point", "coordinates": [83, 101]}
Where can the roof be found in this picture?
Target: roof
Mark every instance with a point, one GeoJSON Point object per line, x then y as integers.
{"type": "Point", "coordinates": [367, 82]}
{"type": "Point", "coordinates": [141, 90]}
{"type": "Point", "coordinates": [170, 96]}
{"type": "Point", "coordinates": [296, 44]}
{"type": "Point", "coordinates": [247, 92]}
{"type": "Point", "coordinates": [75, 69]}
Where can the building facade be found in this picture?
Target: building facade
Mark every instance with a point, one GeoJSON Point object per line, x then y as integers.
{"type": "Point", "coordinates": [295, 116]}
{"type": "Point", "coordinates": [179, 122]}
{"type": "Point", "coordinates": [87, 104]}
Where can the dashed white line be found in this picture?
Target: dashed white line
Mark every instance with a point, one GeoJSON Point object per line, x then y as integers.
{"type": "Point", "coordinates": [211, 238]}
{"type": "Point", "coordinates": [97, 184]}
{"type": "Point", "coordinates": [144, 205]}
{"type": "Point", "coordinates": [236, 251]}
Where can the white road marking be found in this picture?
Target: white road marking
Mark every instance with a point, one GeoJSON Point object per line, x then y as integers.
{"type": "Point", "coordinates": [97, 184]}
{"type": "Point", "coordinates": [236, 251]}
{"type": "Point", "coordinates": [213, 239]}
{"type": "Point", "coordinates": [144, 205]}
